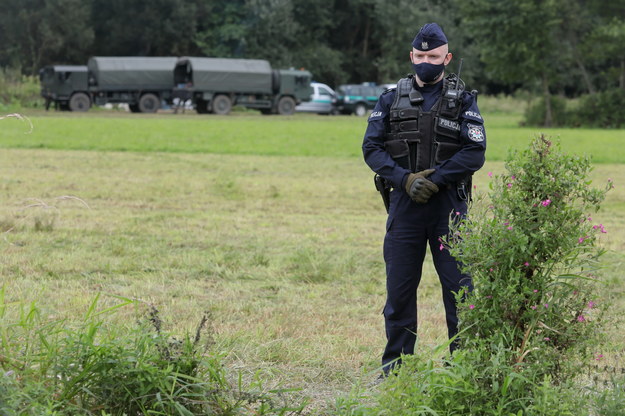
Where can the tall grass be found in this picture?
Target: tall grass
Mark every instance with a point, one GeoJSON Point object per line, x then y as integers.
{"type": "Point", "coordinates": [64, 367]}
{"type": "Point", "coordinates": [19, 91]}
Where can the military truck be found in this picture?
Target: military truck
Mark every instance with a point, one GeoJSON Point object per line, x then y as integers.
{"type": "Point", "coordinates": [214, 85]}
{"type": "Point", "coordinates": [141, 82]}
{"type": "Point", "coordinates": [60, 82]}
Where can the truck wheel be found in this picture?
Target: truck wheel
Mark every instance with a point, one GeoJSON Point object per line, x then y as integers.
{"type": "Point", "coordinates": [360, 110]}
{"type": "Point", "coordinates": [79, 102]}
{"type": "Point", "coordinates": [286, 106]}
{"type": "Point", "coordinates": [149, 103]}
{"type": "Point", "coordinates": [201, 107]}
{"type": "Point", "coordinates": [221, 105]}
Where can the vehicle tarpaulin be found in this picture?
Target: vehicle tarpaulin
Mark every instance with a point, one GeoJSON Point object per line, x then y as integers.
{"type": "Point", "coordinates": [253, 76]}
{"type": "Point", "coordinates": [129, 72]}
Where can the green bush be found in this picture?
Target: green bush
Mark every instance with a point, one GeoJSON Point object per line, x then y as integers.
{"type": "Point", "coordinates": [19, 91]}
{"type": "Point", "coordinates": [532, 256]}
{"type": "Point", "coordinates": [535, 113]}
{"type": "Point", "coordinates": [603, 110]}
{"type": "Point", "coordinates": [528, 328]}
{"type": "Point", "coordinates": [94, 369]}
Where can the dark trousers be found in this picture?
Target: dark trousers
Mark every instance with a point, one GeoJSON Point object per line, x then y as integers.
{"type": "Point", "coordinates": [410, 229]}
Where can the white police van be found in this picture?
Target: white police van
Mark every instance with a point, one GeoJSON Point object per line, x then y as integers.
{"type": "Point", "coordinates": [322, 100]}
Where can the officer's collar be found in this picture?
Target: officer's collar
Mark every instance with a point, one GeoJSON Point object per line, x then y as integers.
{"type": "Point", "coordinates": [430, 88]}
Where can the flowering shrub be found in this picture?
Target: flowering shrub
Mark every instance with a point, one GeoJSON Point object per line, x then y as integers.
{"type": "Point", "coordinates": [529, 325]}
{"type": "Point", "coordinates": [532, 256]}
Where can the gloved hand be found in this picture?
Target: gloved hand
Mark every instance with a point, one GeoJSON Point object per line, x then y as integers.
{"type": "Point", "coordinates": [419, 188]}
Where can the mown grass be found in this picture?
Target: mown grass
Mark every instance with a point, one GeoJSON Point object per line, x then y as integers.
{"type": "Point", "coordinates": [253, 134]}
{"type": "Point", "coordinates": [283, 249]}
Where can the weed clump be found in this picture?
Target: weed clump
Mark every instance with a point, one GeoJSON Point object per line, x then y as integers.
{"type": "Point", "coordinates": [89, 369]}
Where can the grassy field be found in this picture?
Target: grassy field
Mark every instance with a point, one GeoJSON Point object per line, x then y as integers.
{"type": "Point", "coordinates": [270, 223]}
{"type": "Point", "coordinates": [253, 134]}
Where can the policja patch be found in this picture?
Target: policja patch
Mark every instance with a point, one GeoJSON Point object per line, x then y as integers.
{"type": "Point", "coordinates": [476, 132]}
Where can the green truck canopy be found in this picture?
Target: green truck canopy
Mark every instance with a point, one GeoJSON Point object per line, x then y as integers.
{"type": "Point", "coordinates": [126, 72]}
{"type": "Point", "coordinates": [251, 76]}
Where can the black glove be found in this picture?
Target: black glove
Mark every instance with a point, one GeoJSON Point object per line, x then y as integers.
{"type": "Point", "coordinates": [419, 188]}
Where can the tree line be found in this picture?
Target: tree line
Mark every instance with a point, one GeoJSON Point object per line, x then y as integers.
{"type": "Point", "coordinates": [566, 47]}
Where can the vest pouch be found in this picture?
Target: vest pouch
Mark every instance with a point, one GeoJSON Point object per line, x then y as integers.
{"type": "Point", "coordinates": [447, 128]}
{"type": "Point", "coordinates": [444, 151]}
{"type": "Point", "coordinates": [400, 152]}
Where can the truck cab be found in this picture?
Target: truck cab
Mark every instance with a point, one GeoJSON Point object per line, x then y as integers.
{"type": "Point", "coordinates": [63, 84]}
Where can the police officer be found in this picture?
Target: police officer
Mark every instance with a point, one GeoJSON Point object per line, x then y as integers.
{"type": "Point", "coordinates": [424, 139]}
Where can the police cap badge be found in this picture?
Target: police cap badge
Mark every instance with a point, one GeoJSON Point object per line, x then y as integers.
{"type": "Point", "coordinates": [430, 36]}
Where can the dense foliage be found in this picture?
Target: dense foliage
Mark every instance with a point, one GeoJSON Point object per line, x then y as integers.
{"type": "Point", "coordinates": [17, 90]}
{"type": "Point", "coordinates": [599, 110]}
{"type": "Point", "coordinates": [533, 258]}
{"type": "Point", "coordinates": [557, 46]}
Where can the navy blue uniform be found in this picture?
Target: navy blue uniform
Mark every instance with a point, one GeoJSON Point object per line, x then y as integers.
{"type": "Point", "coordinates": [411, 227]}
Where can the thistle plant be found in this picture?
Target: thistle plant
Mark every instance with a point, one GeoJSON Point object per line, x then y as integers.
{"type": "Point", "coordinates": [533, 257]}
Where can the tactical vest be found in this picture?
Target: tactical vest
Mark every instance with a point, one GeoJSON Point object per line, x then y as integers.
{"type": "Point", "coordinates": [420, 139]}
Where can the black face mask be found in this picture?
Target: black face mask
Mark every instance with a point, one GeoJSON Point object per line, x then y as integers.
{"type": "Point", "coordinates": [428, 72]}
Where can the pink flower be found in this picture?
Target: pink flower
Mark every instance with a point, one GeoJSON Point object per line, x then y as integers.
{"type": "Point", "coordinates": [599, 357]}
{"type": "Point", "coordinates": [526, 264]}
{"type": "Point", "coordinates": [533, 307]}
{"type": "Point", "coordinates": [513, 177]}
{"type": "Point", "coordinates": [546, 305]}
{"type": "Point", "coordinates": [488, 296]}
{"type": "Point", "coordinates": [471, 306]}
{"type": "Point", "coordinates": [491, 269]}
{"type": "Point", "coordinates": [510, 228]}
{"type": "Point", "coordinates": [581, 239]}
{"type": "Point", "coordinates": [509, 185]}
{"type": "Point", "coordinates": [546, 202]}
{"type": "Point", "coordinates": [441, 247]}
{"type": "Point", "coordinates": [535, 290]}
{"type": "Point", "coordinates": [591, 304]}
{"type": "Point", "coordinates": [581, 318]}
{"type": "Point", "coordinates": [490, 175]}
{"type": "Point", "coordinates": [600, 227]}
{"type": "Point", "coordinates": [547, 339]}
